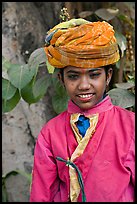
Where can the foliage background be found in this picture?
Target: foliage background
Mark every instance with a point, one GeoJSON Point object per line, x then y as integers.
{"type": "Point", "coordinates": [31, 94]}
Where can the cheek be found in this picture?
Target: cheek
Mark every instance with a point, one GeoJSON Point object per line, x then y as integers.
{"type": "Point", "coordinates": [69, 87]}
{"type": "Point", "coordinates": [100, 85]}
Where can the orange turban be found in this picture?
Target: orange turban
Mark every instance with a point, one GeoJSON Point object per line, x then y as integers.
{"type": "Point", "coordinates": [86, 44]}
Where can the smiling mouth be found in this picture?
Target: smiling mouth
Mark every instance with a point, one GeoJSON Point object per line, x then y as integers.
{"type": "Point", "coordinates": [85, 97]}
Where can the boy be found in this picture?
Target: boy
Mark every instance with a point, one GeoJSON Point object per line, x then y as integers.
{"type": "Point", "coordinates": [85, 153]}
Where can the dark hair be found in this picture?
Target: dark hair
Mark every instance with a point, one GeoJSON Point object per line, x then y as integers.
{"type": "Point", "coordinates": [61, 71]}
{"type": "Point", "coordinates": [106, 68]}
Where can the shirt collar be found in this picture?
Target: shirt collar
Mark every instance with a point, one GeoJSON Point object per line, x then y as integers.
{"type": "Point", "coordinates": [102, 106]}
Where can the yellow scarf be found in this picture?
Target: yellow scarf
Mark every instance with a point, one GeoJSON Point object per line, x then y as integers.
{"type": "Point", "coordinates": [82, 143]}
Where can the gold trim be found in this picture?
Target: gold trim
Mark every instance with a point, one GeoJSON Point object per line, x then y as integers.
{"type": "Point", "coordinates": [82, 143]}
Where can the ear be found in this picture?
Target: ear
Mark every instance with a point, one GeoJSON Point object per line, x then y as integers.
{"type": "Point", "coordinates": [60, 78]}
{"type": "Point", "coordinates": [109, 75]}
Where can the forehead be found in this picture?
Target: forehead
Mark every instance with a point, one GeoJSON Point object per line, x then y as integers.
{"type": "Point", "coordinates": [81, 70]}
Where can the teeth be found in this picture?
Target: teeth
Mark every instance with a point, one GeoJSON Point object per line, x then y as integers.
{"type": "Point", "coordinates": [85, 96]}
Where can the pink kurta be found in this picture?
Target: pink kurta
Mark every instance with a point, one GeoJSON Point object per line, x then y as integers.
{"type": "Point", "coordinates": [107, 164]}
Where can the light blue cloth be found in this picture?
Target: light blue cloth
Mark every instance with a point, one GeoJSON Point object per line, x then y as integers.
{"type": "Point", "coordinates": [82, 125]}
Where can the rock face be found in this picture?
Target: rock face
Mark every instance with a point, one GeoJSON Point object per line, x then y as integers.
{"type": "Point", "coordinates": [24, 25]}
{"type": "Point", "coordinates": [20, 128]}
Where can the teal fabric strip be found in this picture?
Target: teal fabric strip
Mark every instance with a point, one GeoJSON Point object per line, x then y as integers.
{"type": "Point", "coordinates": [80, 180]}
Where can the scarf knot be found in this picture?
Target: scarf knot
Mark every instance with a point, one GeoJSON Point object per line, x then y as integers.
{"type": "Point", "coordinates": [80, 180]}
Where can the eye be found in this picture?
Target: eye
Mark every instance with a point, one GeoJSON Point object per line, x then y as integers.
{"type": "Point", "coordinates": [94, 75]}
{"type": "Point", "coordinates": [73, 76]}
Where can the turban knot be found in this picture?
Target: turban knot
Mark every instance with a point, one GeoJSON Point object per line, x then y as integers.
{"type": "Point", "coordinates": [85, 44]}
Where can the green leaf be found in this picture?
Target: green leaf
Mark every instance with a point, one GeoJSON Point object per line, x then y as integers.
{"type": "Point", "coordinates": [71, 23]}
{"type": "Point", "coordinates": [122, 42]}
{"type": "Point", "coordinates": [8, 105]}
{"type": "Point", "coordinates": [125, 85]}
{"type": "Point", "coordinates": [26, 175]}
{"type": "Point", "coordinates": [5, 63]}
{"type": "Point", "coordinates": [37, 57]}
{"type": "Point", "coordinates": [41, 85]}
{"type": "Point", "coordinates": [60, 97]}
{"type": "Point", "coordinates": [20, 75]}
{"type": "Point", "coordinates": [12, 173]}
{"type": "Point", "coordinates": [4, 192]}
{"type": "Point", "coordinates": [50, 67]}
{"type": "Point", "coordinates": [58, 86]}
{"type": "Point", "coordinates": [5, 66]}
{"type": "Point", "coordinates": [118, 64]}
{"type": "Point", "coordinates": [122, 97]}
{"type": "Point", "coordinates": [106, 14]}
{"type": "Point", "coordinates": [8, 90]}
{"type": "Point", "coordinates": [130, 7]}
{"type": "Point", "coordinates": [59, 103]}
{"type": "Point", "coordinates": [5, 176]}
{"type": "Point", "coordinates": [126, 19]}
{"type": "Point", "coordinates": [15, 172]}
{"type": "Point", "coordinates": [131, 79]}
{"type": "Point", "coordinates": [27, 93]}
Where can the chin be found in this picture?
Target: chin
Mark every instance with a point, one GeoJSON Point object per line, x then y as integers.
{"type": "Point", "coordinates": [86, 106]}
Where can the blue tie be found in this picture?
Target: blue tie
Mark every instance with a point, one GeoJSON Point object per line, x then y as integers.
{"type": "Point", "coordinates": [83, 124]}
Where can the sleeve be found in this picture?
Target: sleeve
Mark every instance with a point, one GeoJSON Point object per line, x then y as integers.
{"type": "Point", "coordinates": [129, 194]}
{"type": "Point", "coordinates": [45, 182]}
{"type": "Point", "coordinates": [130, 161]}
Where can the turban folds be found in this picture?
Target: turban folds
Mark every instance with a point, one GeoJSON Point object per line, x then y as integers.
{"type": "Point", "coordinates": [88, 45]}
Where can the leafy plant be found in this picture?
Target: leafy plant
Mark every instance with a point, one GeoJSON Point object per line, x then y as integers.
{"type": "Point", "coordinates": [6, 176]}
{"type": "Point", "coordinates": [22, 82]}
{"type": "Point", "coordinates": [123, 93]}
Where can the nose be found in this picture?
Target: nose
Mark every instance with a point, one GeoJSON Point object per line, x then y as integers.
{"type": "Point", "coordinates": [84, 83]}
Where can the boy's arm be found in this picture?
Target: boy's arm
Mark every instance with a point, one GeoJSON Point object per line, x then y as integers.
{"type": "Point", "coordinates": [130, 165]}
{"type": "Point", "coordinates": [45, 182]}
{"type": "Point", "coordinates": [130, 161]}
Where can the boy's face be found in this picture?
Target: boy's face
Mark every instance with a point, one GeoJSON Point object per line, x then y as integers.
{"type": "Point", "coordinates": [86, 87]}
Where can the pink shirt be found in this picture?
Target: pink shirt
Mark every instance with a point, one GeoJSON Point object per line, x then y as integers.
{"type": "Point", "coordinates": [107, 164]}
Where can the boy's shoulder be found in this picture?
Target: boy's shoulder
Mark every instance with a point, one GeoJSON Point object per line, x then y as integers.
{"type": "Point", "coordinates": [123, 122]}
{"type": "Point", "coordinates": [124, 111]}
{"type": "Point", "coordinates": [125, 116]}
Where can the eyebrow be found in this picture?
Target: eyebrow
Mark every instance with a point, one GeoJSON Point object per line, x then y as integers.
{"type": "Point", "coordinates": [77, 72]}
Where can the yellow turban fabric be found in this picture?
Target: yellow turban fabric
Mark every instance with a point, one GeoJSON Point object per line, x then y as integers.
{"type": "Point", "coordinates": [86, 44]}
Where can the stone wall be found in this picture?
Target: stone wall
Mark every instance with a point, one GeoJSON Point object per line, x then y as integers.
{"type": "Point", "coordinates": [24, 25]}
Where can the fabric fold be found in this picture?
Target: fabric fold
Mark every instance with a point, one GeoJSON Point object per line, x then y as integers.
{"type": "Point", "coordinates": [89, 45]}
{"type": "Point", "coordinates": [82, 143]}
